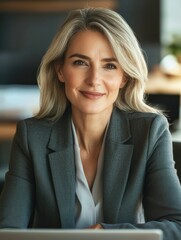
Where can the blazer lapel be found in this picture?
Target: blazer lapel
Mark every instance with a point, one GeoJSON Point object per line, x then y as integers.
{"type": "Point", "coordinates": [117, 159]}
{"type": "Point", "coordinates": [63, 169]}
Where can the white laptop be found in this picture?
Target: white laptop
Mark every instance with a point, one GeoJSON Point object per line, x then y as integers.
{"type": "Point", "coordinates": [88, 234]}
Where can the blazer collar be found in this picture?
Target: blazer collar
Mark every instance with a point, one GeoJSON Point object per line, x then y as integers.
{"type": "Point", "coordinates": [62, 167]}
{"type": "Point", "coordinates": [117, 160]}
{"type": "Point", "coordinates": [61, 135]}
{"type": "Point", "coordinates": [119, 127]}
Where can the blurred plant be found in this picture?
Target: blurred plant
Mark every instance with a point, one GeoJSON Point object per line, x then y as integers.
{"type": "Point", "coordinates": [174, 47]}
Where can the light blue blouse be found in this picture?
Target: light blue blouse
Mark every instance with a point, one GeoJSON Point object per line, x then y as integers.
{"type": "Point", "coordinates": [89, 205]}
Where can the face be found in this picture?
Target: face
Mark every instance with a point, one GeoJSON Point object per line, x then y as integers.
{"type": "Point", "coordinates": [91, 73]}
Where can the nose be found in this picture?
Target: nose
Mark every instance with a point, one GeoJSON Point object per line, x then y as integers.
{"type": "Point", "coordinates": [94, 76]}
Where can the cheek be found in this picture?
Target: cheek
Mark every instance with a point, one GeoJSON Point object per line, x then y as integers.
{"type": "Point", "coordinates": [115, 80]}
{"type": "Point", "coordinates": [69, 79]}
{"type": "Point", "coordinates": [114, 85]}
{"type": "Point", "coordinates": [72, 78]}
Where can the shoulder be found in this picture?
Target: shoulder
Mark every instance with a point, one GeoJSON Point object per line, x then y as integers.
{"type": "Point", "coordinates": [144, 117]}
{"type": "Point", "coordinates": [42, 127]}
{"type": "Point", "coordinates": [148, 119]}
{"type": "Point", "coordinates": [34, 124]}
{"type": "Point", "coordinates": [33, 130]}
{"type": "Point", "coordinates": [143, 123]}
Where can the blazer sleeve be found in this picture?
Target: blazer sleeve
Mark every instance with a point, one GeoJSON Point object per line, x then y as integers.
{"type": "Point", "coordinates": [17, 198]}
{"type": "Point", "coordinates": [162, 190]}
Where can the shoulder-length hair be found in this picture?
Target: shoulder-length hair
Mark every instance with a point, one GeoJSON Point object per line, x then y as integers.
{"type": "Point", "coordinates": [53, 101]}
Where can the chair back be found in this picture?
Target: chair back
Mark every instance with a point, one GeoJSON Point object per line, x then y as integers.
{"type": "Point", "coordinates": [177, 158]}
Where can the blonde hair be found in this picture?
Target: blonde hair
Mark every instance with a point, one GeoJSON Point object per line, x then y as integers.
{"type": "Point", "coordinates": [53, 101]}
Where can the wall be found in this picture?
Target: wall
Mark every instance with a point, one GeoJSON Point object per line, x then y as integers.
{"type": "Point", "coordinates": [170, 19]}
{"type": "Point", "coordinates": [25, 36]}
{"type": "Point", "coordinates": [144, 17]}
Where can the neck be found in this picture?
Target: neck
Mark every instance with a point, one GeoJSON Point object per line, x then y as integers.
{"type": "Point", "coordinates": [90, 129]}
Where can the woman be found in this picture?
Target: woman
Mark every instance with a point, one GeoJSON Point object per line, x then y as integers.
{"type": "Point", "coordinates": [96, 155]}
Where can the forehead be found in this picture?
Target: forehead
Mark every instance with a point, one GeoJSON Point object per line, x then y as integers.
{"type": "Point", "coordinates": [90, 41]}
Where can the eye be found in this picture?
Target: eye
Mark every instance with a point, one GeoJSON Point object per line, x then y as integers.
{"type": "Point", "coordinates": [110, 66]}
{"type": "Point", "coordinates": [80, 63]}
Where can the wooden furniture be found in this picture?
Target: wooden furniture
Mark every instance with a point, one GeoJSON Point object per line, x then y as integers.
{"type": "Point", "coordinates": [7, 130]}
{"type": "Point", "coordinates": [53, 6]}
{"type": "Point", "coordinates": [177, 157]}
{"type": "Point", "coordinates": [170, 87]}
{"type": "Point", "coordinates": [160, 83]}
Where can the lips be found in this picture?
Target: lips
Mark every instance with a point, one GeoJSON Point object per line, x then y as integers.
{"type": "Point", "coordinates": [92, 95]}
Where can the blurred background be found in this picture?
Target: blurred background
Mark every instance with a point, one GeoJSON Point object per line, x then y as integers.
{"type": "Point", "coordinates": [28, 26]}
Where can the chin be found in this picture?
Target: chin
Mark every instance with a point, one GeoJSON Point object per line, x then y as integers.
{"type": "Point", "coordinates": [92, 111]}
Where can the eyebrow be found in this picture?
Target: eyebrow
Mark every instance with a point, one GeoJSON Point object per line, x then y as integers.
{"type": "Point", "coordinates": [112, 59]}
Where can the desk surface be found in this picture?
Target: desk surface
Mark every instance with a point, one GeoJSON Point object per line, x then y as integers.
{"type": "Point", "coordinates": [160, 83]}
{"type": "Point", "coordinates": [7, 130]}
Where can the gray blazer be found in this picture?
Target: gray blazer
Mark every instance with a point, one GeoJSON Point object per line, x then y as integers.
{"type": "Point", "coordinates": [138, 173]}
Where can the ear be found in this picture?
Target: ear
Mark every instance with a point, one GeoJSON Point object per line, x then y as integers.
{"type": "Point", "coordinates": [123, 82]}
{"type": "Point", "coordinates": [58, 69]}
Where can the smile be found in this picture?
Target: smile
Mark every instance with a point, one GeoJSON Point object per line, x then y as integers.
{"type": "Point", "coordinates": [92, 95]}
